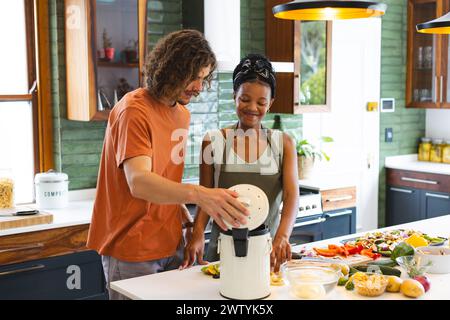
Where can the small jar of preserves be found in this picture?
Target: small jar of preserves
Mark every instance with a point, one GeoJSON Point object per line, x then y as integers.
{"type": "Point", "coordinates": [436, 150]}
{"type": "Point", "coordinates": [424, 149]}
{"type": "Point", "coordinates": [446, 152]}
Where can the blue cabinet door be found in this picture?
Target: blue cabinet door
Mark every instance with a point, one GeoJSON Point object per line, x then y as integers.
{"type": "Point", "coordinates": [339, 223]}
{"type": "Point", "coordinates": [72, 276]}
{"type": "Point", "coordinates": [435, 204]}
{"type": "Point", "coordinates": [307, 229]}
{"type": "Point", "coordinates": [402, 205]}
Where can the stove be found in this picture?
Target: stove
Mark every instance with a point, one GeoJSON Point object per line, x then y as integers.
{"type": "Point", "coordinates": [310, 203]}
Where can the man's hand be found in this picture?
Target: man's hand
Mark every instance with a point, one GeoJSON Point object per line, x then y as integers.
{"type": "Point", "coordinates": [221, 204]}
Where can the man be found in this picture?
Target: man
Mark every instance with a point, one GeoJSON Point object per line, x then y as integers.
{"type": "Point", "coordinates": [139, 206]}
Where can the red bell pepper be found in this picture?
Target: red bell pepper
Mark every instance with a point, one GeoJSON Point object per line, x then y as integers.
{"type": "Point", "coordinates": [326, 252]}
{"type": "Point", "coordinates": [369, 253]}
{"type": "Point", "coordinates": [353, 249]}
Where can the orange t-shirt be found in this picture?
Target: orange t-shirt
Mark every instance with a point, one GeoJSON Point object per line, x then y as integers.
{"type": "Point", "coordinates": [122, 226]}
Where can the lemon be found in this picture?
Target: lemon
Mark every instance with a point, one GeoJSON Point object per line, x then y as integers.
{"type": "Point", "coordinates": [416, 241]}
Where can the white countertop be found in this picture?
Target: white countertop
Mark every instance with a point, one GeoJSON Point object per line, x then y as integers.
{"type": "Point", "coordinates": [409, 162]}
{"type": "Point", "coordinates": [328, 182]}
{"type": "Point", "coordinates": [78, 212]}
{"type": "Point", "coordinates": [192, 284]}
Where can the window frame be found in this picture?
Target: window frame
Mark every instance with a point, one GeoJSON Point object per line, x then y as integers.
{"type": "Point", "coordinates": [39, 82]}
{"type": "Point", "coordinates": [298, 107]}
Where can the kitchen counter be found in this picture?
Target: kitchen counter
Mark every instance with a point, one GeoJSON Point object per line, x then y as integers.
{"type": "Point", "coordinates": [409, 162]}
{"type": "Point", "coordinates": [328, 182]}
{"type": "Point", "coordinates": [78, 212]}
{"type": "Point", "coordinates": [193, 284]}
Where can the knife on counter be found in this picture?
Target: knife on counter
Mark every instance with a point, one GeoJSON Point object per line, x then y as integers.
{"type": "Point", "coordinates": [18, 213]}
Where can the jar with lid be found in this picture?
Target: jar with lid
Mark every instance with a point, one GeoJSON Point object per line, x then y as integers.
{"type": "Point", "coordinates": [446, 152]}
{"type": "Point", "coordinates": [436, 150]}
{"type": "Point", "coordinates": [6, 189]}
{"type": "Point", "coordinates": [51, 190]}
{"type": "Point", "coordinates": [424, 149]}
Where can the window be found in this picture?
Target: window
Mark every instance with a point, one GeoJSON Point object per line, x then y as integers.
{"type": "Point", "coordinates": [312, 63]}
{"type": "Point", "coordinates": [21, 121]}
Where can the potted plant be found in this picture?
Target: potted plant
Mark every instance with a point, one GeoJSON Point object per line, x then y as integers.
{"type": "Point", "coordinates": [307, 154]}
{"type": "Point", "coordinates": [107, 46]}
{"type": "Point", "coordinates": [131, 51]}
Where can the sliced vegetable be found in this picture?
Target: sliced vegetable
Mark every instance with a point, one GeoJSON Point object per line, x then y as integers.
{"type": "Point", "coordinates": [383, 262]}
{"type": "Point", "coordinates": [369, 253]}
{"type": "Point", "coordinates": [384, 270]}
{"type": "Point", "coordinates": [325, 252]}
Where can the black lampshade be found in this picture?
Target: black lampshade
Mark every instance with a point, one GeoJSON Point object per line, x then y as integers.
{"type": "Point", "coordinates": [328, 10]}
{"type": "Point", "coordinates": [440, 25]}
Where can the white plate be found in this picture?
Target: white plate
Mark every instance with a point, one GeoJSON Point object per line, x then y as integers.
{"type": "Point", "coordinates": [256, 201]}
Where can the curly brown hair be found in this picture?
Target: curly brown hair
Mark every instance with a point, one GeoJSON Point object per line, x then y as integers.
{"type": "Point", "coordinates": [175, 61]}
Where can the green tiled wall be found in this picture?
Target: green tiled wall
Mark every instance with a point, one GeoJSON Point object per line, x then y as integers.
{"type": "Point", "coordinates": [77, 145]}
{"type": "Point", "coordinates": [408, 124]}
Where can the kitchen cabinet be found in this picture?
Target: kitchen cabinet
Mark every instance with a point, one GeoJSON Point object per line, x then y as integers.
{"type": "Point", "coordinates": [105, 44]}
{"type": "Point", "coordinates": [337, 219]}
{"type": "Point", "coordinates": [306, 45]}
{"type": "Point", "coordinates": [427, 84]}
{"type": "Point", "coordinates": [402, 205]}
{"type": "Point", "coordinates": [412, 196]}
{"type": "Point", "coordinates": [40, 264]}
{"type": "Point", "coordinates": [435, 204]}
{"type": "Point", "coordinates": [339, 223]}
{"type": "Point", "coordinates": [339, 207]}
{"type": "Point", "coordinates": [72, 276]}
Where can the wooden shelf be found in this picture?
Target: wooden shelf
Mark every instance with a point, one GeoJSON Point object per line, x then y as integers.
{"type": "Point", "coordinates": [82, 78]}
{"type": "Point", "coordinates": [117, 64]}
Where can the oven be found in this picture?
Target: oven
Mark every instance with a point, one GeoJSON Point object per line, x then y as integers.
{"type": "Point", "coordinates": [308, 225]}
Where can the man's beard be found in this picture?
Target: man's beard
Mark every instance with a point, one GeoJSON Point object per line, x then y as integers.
{"type": "Point", "coordinates": [191, 94]}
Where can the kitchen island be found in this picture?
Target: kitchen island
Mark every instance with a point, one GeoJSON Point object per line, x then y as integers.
{"type": "Point", "coordinates": [192, 284]}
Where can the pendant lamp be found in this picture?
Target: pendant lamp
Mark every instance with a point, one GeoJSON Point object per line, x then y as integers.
{"type": "Point", "coordinates": [440, 25]}
{"type": "Point", "coordinates": [328, 10]}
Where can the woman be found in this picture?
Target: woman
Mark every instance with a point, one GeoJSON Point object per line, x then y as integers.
{"type": "Point", "coordinates": [248, 153]}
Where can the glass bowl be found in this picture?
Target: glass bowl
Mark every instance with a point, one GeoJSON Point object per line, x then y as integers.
{"type": "Point", "coordinates": [311, 282]}
{"type": "Point", "coordinates": [413, 265]}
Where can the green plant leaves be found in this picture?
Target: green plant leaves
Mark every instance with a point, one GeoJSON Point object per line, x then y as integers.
{"type": "Point", "coordinates": [306, 149]}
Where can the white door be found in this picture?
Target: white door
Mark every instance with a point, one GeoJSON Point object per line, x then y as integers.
{"type": "Point", "coordinates": [356, 51]}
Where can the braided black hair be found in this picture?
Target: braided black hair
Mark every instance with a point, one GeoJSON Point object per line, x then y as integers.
{"type": "Point", "coordinates": [254, 67]}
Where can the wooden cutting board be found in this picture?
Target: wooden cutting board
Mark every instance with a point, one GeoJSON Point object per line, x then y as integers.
{"type": "Point", "coordinates": [25, 221]}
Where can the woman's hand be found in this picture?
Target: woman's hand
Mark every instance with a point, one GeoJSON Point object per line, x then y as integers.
{"type": "Point", "coordinates": [194, 250]}
{"type": "Point", "coordinates": [281, 252]}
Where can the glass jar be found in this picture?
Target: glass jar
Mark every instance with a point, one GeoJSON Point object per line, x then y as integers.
{"type": "Point", "coordinates": [446, 152]}
{"type": "Point", "coordinates": [436, 150]}
{"type": "Point", "coordinates": [6, 189]}
{"type": "Point", "coordinates": [424, 149]}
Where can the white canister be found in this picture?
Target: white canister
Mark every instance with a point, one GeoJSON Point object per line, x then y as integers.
{"type": "Point", "coordinates": [52, 190]}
